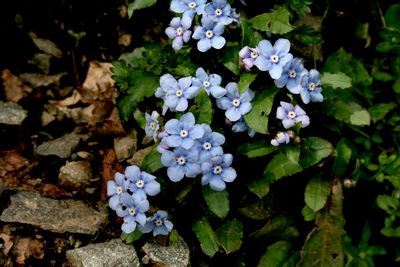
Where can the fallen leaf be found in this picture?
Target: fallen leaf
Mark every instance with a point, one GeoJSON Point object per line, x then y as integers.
{"type": "Point", "coordinates": [111, 126]}
{"type": "Point", "coordinates": [110, 166]}
{"type": "Point", "coordinates": [14, 89]}
{"type": "Point", "coordinates": [11, 162]}
{"type": "Point", "coordinates": [46, 46]}
{"type": "Point", "coordinates": [38, 80]}
{"type": "Point", "coordinates": [71, 100]}
{"type": "Point", "coordinates": [26, 247]}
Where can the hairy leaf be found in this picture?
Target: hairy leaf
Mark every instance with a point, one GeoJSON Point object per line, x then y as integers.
{"type": "Point", "coordinates": [230, 236]}
{"type": "Point", "coordinates": [206, 236]}
{"type": "Point", "coordinates": [217, 201]}
{"type": "Point", "coordinates": [336, 80]}
{"type": "Point", "coordinates": [276, 22]}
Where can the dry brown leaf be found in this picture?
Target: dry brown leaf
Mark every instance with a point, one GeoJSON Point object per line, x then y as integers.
{"type": "Point", "coordinates": [98, 84]}
{"type": "Point", "coordinates": [9, 239]}
{"type": "Point", "coordinates": [14, 89]}
{"type": "Point", "coordinates": [111, 126]}
{"type": "Point", "coordinates": [110, 166]}
{"type": "Point", "coordinates": [26, 247]}
{"type": "Point", "coordinates": [11, 161]}
{"type": "Point", "coordinates": [38, 80]}
{"type": "Point", "coordinates": [72, 100]}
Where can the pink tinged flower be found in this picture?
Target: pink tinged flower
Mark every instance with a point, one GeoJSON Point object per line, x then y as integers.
{"type": "Point", "coordinates": [291, 115]}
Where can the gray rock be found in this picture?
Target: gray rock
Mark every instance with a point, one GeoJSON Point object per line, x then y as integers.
{"type": "Point", "coordinates": [125, 146]}
{"type": "Point", "coordinates": [11, 113]}
{"type": "Point", "coordinates": [174, 255]}
{"type": "Point", "coordinates": [58, 216]}
{"type": "Point", "coordinates": [108, 254]}
{"type": "Point", "coordinates": [61, 147]}
{"type": "Point", "coordinates": [75, 174]}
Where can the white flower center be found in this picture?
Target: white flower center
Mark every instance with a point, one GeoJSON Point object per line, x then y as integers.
{"type": "Point", "coordinates": [152, 125]}
{"type": "Point", "coordinates": [292, 74]}
{"type": "Point", "coordinates": [118, 190]}
{"type": "Point", "coordinates": [132, 211]}
{"type": "Point", "coordinates": [274, 58]}
{"type": "Point", "coordinates": [311, 86]}
{"type": "Point", "coordinates": [179, 31]}
{"type": "Point", "coordinates": [206, 83]}
{"type": "Point", "coordinates": [179, 93]}
{"type": "Point", "coordinates": [253, 54]}
{"type": "Point", "coordinates": [183, 133]}
{"type": "Point", "coordinates": [218, 12]}
{"type": "Point", "coordinates": [181, 160]}
{"type": "Point", "coordinates": [209, 34]}
{"type": "Point", "coordinates": [192, 5]}
{"type": "Point", "coordinates": [217, 169]}
{"type": "Point", "coordinates": [236, 102]}
{"type": "Point", "coordinates": [291, 115]}
{"type": "Point", "coordinates": [207, 146]}
{"type": "Point", "coordinates": [159, 222]}
{"type": "Point", "coordinates": [139, 183]}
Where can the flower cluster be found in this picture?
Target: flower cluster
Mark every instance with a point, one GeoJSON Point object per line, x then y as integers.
{"type": "Point", "coordinates": [289, 72]}
{"type": "Point", "coordinates": [128, 198]}
{"type": "Point", "coordinates": [189, 149]}
{"type": "Point", "coordinates": [215, 15]}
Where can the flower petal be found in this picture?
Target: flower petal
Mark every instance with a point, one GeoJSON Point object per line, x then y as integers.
{"type": "Point", "coordinates": [175, 174]}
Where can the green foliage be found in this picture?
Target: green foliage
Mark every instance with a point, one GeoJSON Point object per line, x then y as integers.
{"type": "Point", "coordinates": [202, 108]}
{"type": "Point", "coordinates": [132, 237]}
{"type": "Point", "coordinates": [276, 22]}
{"type": "Point", "coordinates": [152, 161]}
{"type": "Point", "coordinates": [276, 255]}
{"type": "Point", "coordinates": [230, 236]}
{"type": "Point", "coordinates": [139, 4]}
{"type": "Point", "coordinates": [206, 236]}
{"type": "Point", "coordinates": [217, 202]}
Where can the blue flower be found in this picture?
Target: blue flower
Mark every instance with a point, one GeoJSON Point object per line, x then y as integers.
{"type": "Point", "coordinates": [132, 209]}
{"type": "Point", "coordinates": [176, 98]}
{"type": "Point", "coordinates": [115, 189]}
{"type": "Point", "coordinates": [235, 105]}
{"type": "Point", "coordinates": [167, 84]}
{"type": "Point", "coordinates": [179, 32]}
{"type": "Point", "coordinates": [158, 223]}
{"type": "Point", "coordinates": [141, 183]}
{"type": "Point", "coordinates": [291, 77]}
{"type": "Point", "coordinates": [210, 83]}
{"type": "Point", "coordinates": [189, 8]}
{"type": "Point", "coordinates": [219, 11]}
{"type": "Point", "coordinates": [311, 88]}
{"type": "Point", "coordinates": [183, 132]}
{"type": "Point", "coordinates": [291, 115]}
{"type": "Point", "coordinates": [241, 126]}
{"type": "Point", "coordinates": [209, 35]}
{"type": "Point", "coordinates": [152, 125]}
{"type": "Point", "coordinates": [180, 163]}
{"type": "Point", "coordinates": [217, 172]}
{"type": "Point", "coordinates": [273, 58]}
{"type": "Point", "coordinates": [210, 144]}
{"type": "Point", "coordinates": [280, 138]}
{"type": "Point", "coordinates": [248, 56]}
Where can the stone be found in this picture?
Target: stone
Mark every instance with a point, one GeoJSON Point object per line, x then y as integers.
{"type": "Point", "coordinates": [111, 253]}
{"type": "Point", "coordinates": [61, 147]}
{"type": "Point", "coordinates": [176, 254]}
{"type": "Point", "coordinates": [125, 146]}
{"type": "Point", "coordinates": [11, 113]}
{"type": "Point", "coordinates": [59, 216]}
{"type": "Point", "coordinates": [75, 174]}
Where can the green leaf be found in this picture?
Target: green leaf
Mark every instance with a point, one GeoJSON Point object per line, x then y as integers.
{"type": "Point", "coordinates": [276, 22]}
{"type": "Point", "coordinates": [323, 246]}
{"type": "Point", "coordinates": [341, 61]}
{"type": "Point", "coordinates": [316, 194]}
{"type": "Point", "coordinates": [276, 255]}
{"type": "Point", "coordinates": [217, 201]}
{"type": "Point", "coordinates": [152, 161]}
{"type": "Point", "coordinates": [142, 84]}
{"type": "Point", "coordinates": [257, 149]}
{"type": "Point", "coordinates": [231, 59]}
{"type": "Point", "coordinates": [256, 211]}
{"type": "Point", "coordinates": [280, 166]}
{"type": "Point", "coordinates": [132, 237]}
{"type": "Point", "coordinates": [126, 105]}
{"type": "Point", "coordinates": [342, 157]}
{"type": "Point", "coordinates": [206, 237]}
{"type": "Point", "coordinates": [202, 108]}
{"type": "Point", "coordinates": [379, 111]}
{"type": "Point", "coordinates": [245, 80]}
{"type": "Point", "coordinates": [140, 118]}
{"type": "Point", "coordinates": [389, 204]}
{"type": "Point", "coordinates": [392, 17]}
{"type": "Point", "coordinates": [278, 227]}
{"type": "Point", "coordinates": [259, 187]}
{"type": "Point", "coordinates": [308, 214]}
{"type": "Point", "coordinates": [250, 37]}
{"type": "Point", "coordinates": [313, 150]}
{"type": "Point", "coordinates": [257, 118]}
{"type": "Point", "coordinates": [349, 112]}
{"type": "Point", "coordinates": [230, 236]}
{"type": "Point", "coordinates": [139, 4]}
{"type": "Point", "coordinates": [336, 80]}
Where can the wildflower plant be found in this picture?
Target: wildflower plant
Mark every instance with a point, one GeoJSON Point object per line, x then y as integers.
{"type": "Point", "coordinates": [252, 135]}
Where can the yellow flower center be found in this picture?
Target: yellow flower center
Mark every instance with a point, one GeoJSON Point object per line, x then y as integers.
{"type": "Point", "coordinates": [217, 169]}
{"type": "Point", "coordinates": [218, 12]}
{"type": "Point", "coordinates": [181, 160]}
{"type": "Point", "coordinates": [274, 58]}
{"type": "Point", "coordinates": [292, 74]}
{"type": "Point", "coordinates": [179, 93]}
{"type": "Point", "coordinates": [209, 34]}
{"type": "Point", "coordinates": [159, 222]}
{"type": "Point", "coordinates": [132, 211]}
{"type": "Point", "coordinates": [207, 146]}
{"type": "Point", "coordinates": [183, 133]}
{"type": "Point", "coordinates": [291, 115]}
{"type": "Point", "coordinates": [206, 83]}
{"type": "Point", "coordinates": [192, 5]}
{"type": "Point", "coordinates": [236, 102]}
{"type": "Point", "coordinates": [179, 31]}
{"type": "Point", "coordinates": [139, 183]}
{"type": "Point", "coordinates": [311, 86]}
{"type": "Point", "coordinates": [254, 54]}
